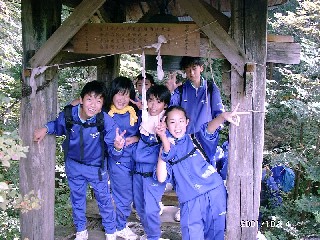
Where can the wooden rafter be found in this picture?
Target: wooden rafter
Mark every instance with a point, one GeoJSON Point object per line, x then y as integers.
{"type": "Point", "coordinates": [217, 35]}
{"type": "Point", "coordinates": [68, 29]}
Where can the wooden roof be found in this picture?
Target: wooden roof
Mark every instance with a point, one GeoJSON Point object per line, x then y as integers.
{"type": "Point", "coordinates": [135, 9]}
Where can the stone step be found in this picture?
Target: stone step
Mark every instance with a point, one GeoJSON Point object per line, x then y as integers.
{"type": "Point", "coordinates": [170, 228]}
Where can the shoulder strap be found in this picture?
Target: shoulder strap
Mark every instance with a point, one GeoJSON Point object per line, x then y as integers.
{"type": "Point", "coordinates": [210, 87]}
{"type": "Point", "coordinates": [100, 121]}
{"type": "Point", "coordinates": [180, 88]}
{"type": "Point", "coordinates": [68, 116]}
{"type": "Point", "coordinates": [69, 123]}
{"type": "Point", "coordinates": [183, 158]}
{"type": "Point", "coordinates": [199, 147]}
{"type": "Point", "coordinates": [100, 127]}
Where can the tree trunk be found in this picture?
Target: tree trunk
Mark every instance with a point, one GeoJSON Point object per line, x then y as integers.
{"type": "Point", "coordinates": [40, 18]}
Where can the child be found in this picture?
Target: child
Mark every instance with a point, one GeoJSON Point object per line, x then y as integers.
{"type": "Point", "coordinates": [200, 189]}
{"type": "Point", "coordinates": [119, 107]}
{"type": "Point", "coordinates": [149, 81]}
{"type": "Point", "coordinates": [148, 191]}
{"type": "Point", "coordinates": [83, 156]}
{"type": "Point", "coordinates": [200, 99]}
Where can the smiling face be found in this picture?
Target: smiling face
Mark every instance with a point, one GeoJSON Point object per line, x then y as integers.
{"type": "Point", "coordinates": [121, 99]}
{"type": "Point", "coordinates": [177, 123]}
{"type": "Point", "coordinates": [155, 106]}
{"type": "Point", "coordinates": [91, 105]}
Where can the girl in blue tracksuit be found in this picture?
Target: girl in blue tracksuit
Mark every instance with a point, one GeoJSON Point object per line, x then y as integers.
{"type": "Point", "coordinates": [148, 191]}
{"type": "Point", "coordinates": [83, 154]}
{"type": "Point", "coordinates": [200, 189]}
{"type": "Point", "coordinates": [119, 107]}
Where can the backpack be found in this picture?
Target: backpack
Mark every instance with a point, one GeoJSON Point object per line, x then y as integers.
{"type": "Point", "coordinates": [99, 124]}
{"type": "Point", "coordinates": [284, 177]}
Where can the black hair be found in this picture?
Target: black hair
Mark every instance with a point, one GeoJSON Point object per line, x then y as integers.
{"type": "Point", "coordinates": [120, 84]}
{"type": "Point", "coordinates": [176, 107]}
{"type": "Point", "coordinates": [148, 76]}
{"type": "Point", "coordinates": [161, 92]}
{"type": "Point", "coordinates": [96, 87]}
{"type": "Point", "coordinates": [187, 61]}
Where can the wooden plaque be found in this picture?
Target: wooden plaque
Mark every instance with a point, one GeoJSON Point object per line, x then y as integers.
{"type": "Point", "coordinates": [129, 38]}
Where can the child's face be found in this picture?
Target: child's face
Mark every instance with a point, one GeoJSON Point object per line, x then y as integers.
{"type": "Point", "coordinates": [155, 106]}
{"type": "Point", "coordinates": [91, 105]}
{"type": "Point", "coordinates": [177, 123]}
{"type": "Point", "coordinates": [193, 72]}
{"type": "Point", "coordinates": [140, 83]}
{"type": "Point", "coordinates": [121, 100]}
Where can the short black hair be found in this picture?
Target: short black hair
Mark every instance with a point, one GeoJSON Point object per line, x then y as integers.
{"type": "Point", "coordinates": [120, 84]}
{"type": "Point", "coordinates": [148, 76]}
{"type": "Point", "coordinates": [161, 92]}
{"type": "Point", "coordinates": [96, 87]}
{"type": "Point", "coordinates": [176, 107]}
{"type": "Point", "coordinates": [187, 61]}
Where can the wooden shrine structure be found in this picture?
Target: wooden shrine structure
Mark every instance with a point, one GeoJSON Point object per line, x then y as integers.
{"type": "Point", "coordinates": [235, 30]}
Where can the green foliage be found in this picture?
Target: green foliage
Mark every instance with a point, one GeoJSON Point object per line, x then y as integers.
{"type": "Point", "coordinates": [130, 65]}
{"type": "Point", "coordinates": [293, 119]}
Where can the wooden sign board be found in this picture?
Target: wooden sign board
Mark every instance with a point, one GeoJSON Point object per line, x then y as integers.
{"type": "Point", "coordinates": [130, 38]}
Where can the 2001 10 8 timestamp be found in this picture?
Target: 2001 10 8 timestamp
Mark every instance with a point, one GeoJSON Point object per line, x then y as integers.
{"type": "Point", "coordinates": [268, 223]}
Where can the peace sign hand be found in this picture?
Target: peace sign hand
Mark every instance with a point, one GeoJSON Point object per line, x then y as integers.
{"type": "Point", "coordinates": [119, 140]}
{"type": "Point", "coordinates": [161, 128]}
{"type": "Point", "coordinates": [233, 117]}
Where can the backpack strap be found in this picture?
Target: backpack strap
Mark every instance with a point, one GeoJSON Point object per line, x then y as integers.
{"type": "Point", "coordinates": [100, 127]}
{"type": "Point", "coordinates": [183, 158]}
{"type": "Point", "coordinates": [197, 146]}
{"type": "Point", "coordinates": [68, 121]}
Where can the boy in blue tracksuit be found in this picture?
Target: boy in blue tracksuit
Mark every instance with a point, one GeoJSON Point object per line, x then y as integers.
{"type": "Point", "coordinates": [148, 191]}
{"type": "Point", "coordinates": [120, 107]}
{"type": "Point", "coordinates": [83, 154]}
{"type": "Point", "coordinates": [200, 189]}
{"type": "Point", "coordinates": [201, 99]}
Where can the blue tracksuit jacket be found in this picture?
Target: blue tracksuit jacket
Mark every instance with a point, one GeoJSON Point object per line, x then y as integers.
{"type": "Point", "coordinates": [80, 171]}
{"type": "Point", "coordinates": [199, 105]}
{"type": "Point", "coordinates": [199, 187]}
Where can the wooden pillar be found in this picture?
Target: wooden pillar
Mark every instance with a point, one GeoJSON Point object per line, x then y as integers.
{"type": "Point", "coordinates": [109, 70]}
{"type": "Point", "coordinates": [40, 18]}
{"type": "Point", "coordinates": [248, 29]}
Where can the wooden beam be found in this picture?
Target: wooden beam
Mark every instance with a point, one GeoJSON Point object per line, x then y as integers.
{"type": "Point", "coordinates": [287, 53]}
{"type": "Point", "coordinates": [218, 36]}
{"type": "Point", "coordinates": [277, 52]}
{"type": "Point", "coordinates": [65, 32]}
{"type": "Point", "coordinates": [279, 38]}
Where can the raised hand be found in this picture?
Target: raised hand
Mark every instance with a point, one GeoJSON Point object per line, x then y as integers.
{"type": "Point", "coordinates": [160, 129]}
{"type": "Point", "coordinates": [233, 117]}
{"type": "Point", "coordinates": [171, 83]}
{"type": "Point", "coordinates": [137, 103]}
{"type": "Point", "coordinates": [119, 140]}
